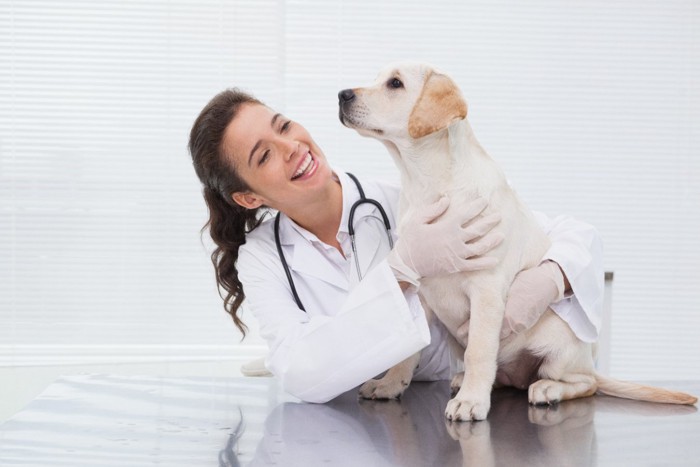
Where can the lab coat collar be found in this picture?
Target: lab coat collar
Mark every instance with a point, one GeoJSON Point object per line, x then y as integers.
{"type": "Point", "coordinates": [303, 257]}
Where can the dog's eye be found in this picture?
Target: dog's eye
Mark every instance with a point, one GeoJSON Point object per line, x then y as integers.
{"type": "Point", "coordinates": [395, 83]}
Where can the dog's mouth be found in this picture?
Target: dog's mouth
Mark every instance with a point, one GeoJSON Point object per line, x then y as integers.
{"type": "Point", "coordinates": [350, 122]}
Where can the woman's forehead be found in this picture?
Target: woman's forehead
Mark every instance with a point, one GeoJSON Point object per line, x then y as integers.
{"type": "Point", "coordinates": [250, 124]}
{"type": "Point", "coordinates": [252, 117]}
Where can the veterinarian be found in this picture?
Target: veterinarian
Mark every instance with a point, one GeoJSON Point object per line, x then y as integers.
{"type": "Point", "coordinates": [328, 330]}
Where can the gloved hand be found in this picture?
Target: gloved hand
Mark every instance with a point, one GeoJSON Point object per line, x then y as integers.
{"type": "Point", "coordinates": [441, 242]}
{"type": "Point", "coordinates": [531, 293]}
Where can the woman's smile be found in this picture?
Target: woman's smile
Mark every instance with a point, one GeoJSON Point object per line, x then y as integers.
{"type": "Point", "coordinates": [306, 168]}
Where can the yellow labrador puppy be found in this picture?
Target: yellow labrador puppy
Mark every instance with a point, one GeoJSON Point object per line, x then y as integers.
{"type": "Point", "coordinates": [420, 116]}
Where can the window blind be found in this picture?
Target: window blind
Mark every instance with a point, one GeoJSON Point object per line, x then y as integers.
{"type": "Point", "coordinates": [101, 209]}
{"type": "Point", "coordinates": [591, 108]}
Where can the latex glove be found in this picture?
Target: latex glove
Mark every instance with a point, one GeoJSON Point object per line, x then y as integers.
{"type": "Point", "coordinates": [531, 293]}
{"type": "Point", "coordinates": [440, 242]}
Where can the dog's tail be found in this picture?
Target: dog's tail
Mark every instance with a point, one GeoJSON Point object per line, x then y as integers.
{"type": "Point", "coordinates": [627, 390]}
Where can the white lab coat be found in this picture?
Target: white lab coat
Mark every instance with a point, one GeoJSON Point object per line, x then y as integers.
{"type": "Point", "coordinates": [351, 330]}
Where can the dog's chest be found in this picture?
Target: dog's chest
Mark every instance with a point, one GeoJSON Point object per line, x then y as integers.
{"type": "Point", "coordinates": [446, 296]}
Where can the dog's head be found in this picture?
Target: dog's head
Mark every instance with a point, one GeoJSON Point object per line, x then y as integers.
{"type": "Point", "coordinates": [407, 102]}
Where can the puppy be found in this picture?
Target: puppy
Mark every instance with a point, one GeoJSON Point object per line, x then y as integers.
{"type": "Point", "coordinates": [419, 114]}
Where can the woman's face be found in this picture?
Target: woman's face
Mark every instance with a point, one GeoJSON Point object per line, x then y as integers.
{"type": "Point", "coordinates": [277, 158]}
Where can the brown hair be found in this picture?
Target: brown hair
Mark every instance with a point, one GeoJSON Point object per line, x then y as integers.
{"type": "Point", "coordinates": [228, 222]}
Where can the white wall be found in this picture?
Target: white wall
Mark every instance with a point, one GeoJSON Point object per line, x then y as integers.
{"type": "Point", "coordinates": [592, 108]}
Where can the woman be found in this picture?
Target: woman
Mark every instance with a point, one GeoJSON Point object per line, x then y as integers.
{"type": "Point", "coordinates": [338, 330]}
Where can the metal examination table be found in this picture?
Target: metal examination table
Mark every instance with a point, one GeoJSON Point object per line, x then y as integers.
{"type": "Point", "coordinates": [112, 420]}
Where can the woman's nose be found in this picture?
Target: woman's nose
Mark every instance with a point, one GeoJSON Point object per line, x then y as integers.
{"type": "Point", "coordinates": [289, 148]}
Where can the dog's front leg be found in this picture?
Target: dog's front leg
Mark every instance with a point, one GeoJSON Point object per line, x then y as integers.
{"type": "Point", "coordinates": [393, 383]}
{"type": "Point", "coordinates": [473, 400]}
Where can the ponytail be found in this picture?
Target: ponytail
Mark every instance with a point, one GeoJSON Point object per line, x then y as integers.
{"type": "Point", "coordinates": [228, 222]}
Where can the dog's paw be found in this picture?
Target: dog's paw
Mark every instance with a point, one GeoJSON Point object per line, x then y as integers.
{"type": "Point", "coordinates": [468, 408]}
{"type": "Point", "coordinates": [465, 431]}
{"type": "Point", "coordinates": [545, 392]}
{"type": "Point", "coordinates": [390, 409]}
{"type": "Point", "coordinates": [456, 383]}
{"type": "Point", "coordinates": [544, 415]}
{"type": "Point", "coordinates": [383, 389]}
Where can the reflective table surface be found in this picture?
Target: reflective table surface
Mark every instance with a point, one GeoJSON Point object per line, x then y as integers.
{"type": "Point", "coordinates": [112, 420]}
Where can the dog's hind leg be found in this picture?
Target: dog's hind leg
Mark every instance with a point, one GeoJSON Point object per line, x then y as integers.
{"type": "Point", "coordinates": [572, 386]}
{"type": "Point", "coordinates": [567, 369]}
{"type": "Point", "coordinates": [567, 373]}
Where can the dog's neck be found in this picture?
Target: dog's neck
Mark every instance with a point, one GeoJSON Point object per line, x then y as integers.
{"type": "Point", "coordinates": [446, 162]}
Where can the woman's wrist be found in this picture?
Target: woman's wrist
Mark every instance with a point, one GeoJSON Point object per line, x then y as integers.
{"type": "Point", "coordinates": [567, 284]}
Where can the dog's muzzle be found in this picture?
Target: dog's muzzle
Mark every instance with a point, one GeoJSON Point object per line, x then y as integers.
{"type": "Point", "coordinates": [345, 98]}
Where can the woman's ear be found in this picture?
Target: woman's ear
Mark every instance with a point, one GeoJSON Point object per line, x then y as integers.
{"type": "Point", "coordinates": [248, 199]}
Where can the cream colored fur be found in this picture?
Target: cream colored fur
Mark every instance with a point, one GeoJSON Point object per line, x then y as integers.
{"type": "Point", "coordinates": [423, 125]}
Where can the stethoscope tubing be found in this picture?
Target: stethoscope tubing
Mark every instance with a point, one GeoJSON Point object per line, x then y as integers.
{"type": "Point", "coordinates": [351, 231]}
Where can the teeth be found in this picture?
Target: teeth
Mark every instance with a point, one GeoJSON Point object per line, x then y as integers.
{"type": "Point", "coordinates": [304, 167]}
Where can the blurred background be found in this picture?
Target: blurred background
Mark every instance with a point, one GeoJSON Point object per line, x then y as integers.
{"type": "Point", "coordinates": [591, 107]}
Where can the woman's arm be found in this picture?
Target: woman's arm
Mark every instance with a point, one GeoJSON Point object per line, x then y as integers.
{"type": "Point", "coordinates": [320, 357]}
{"type": "Point", "coordinates": [569, 279]}
{"type": "Point", "coordinates": [578, 250]}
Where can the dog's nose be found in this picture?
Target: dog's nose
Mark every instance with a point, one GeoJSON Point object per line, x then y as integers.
{"type": "Point", "coordinates": [346, 95]}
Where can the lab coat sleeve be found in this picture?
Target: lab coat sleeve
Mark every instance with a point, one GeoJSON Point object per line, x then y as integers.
{"type": "Point", "coordinates": [578, 249]}
{"type": "Point", "coordinates": [319, 357]}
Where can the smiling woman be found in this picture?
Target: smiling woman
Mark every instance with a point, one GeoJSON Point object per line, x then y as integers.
{"type": "Point", "coordinates": [245, 166]}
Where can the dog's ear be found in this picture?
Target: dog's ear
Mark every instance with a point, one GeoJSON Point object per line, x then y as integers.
{"type": "Point", "coordinates": [439, 104]}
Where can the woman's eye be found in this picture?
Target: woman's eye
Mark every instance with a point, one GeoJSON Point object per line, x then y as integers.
{"type": "Point", "coordinates": [286, 126]}
{"type": "Point", "coordinates": [395, 83]}
{"type": "Point", "coordinates": [264, 157]}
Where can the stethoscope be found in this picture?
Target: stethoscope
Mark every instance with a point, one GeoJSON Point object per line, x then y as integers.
{"type": "Point", "coordinates": [351, 230]}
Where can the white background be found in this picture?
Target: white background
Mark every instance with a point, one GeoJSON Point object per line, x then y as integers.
{"type": "Point", "coordinates": [591, 107]}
